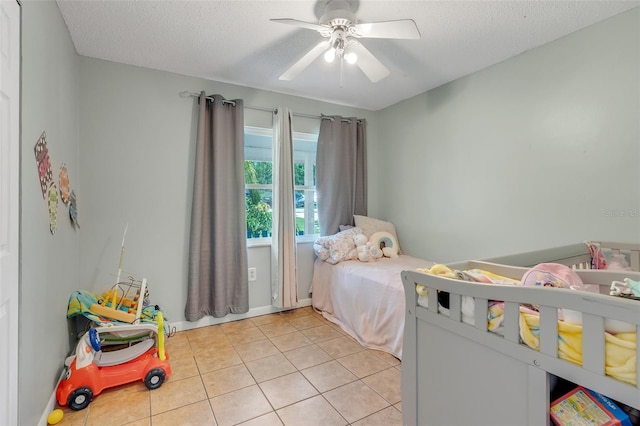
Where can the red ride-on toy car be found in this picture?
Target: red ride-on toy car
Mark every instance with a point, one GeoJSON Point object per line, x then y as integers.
{"type": "Point", "coordinates": [90, 370]}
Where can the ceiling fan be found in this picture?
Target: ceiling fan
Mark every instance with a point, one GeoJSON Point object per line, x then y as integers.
{"type": "Point", "coordinates": [340, 26]}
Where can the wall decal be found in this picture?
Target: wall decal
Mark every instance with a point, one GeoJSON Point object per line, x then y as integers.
{"type": "Point", "coordinates": [44, 164]}
{"type": "Point", "coordinates": [53, 207]}
{"type": "Point", "coordinates": [73, 209]}
{"type": "Point", "coordinates": [64, 184]}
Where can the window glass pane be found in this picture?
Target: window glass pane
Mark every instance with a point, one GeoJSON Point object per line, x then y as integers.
{"type": "Point", "coordinates": [304, 147]}
{"type": "Point", "coordinates": [298, 174]}
{"type": "Point", "coordinates": [258, 175]}
{"type": "Point", "coordinates": [259, 219]}
{"type": "Point", "coordinates": [258, 170]}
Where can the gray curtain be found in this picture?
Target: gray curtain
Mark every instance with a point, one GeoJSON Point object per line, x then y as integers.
{"type": "Point", "coordinates": [284, 287]}
{"type": "Point", "coordinates": [218, 281]}
{"type": "Point", "coordinates": [341, 172]}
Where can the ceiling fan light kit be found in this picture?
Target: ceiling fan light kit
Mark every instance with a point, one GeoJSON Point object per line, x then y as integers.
{"type": "Point", "coordinates": [339, 24]}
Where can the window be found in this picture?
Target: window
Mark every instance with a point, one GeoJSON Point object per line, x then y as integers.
{"type": "Point", "coordinates": [258, 172]}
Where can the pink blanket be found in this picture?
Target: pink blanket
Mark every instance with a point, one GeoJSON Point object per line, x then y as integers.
{"type": "Point", "coordinates": [366, 299]}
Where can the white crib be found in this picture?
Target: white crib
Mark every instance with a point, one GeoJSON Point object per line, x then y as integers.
{"type": "Point", "coordinates": [456, 373]}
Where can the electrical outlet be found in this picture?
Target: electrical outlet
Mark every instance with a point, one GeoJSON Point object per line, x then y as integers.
{"type": "Point", "coordinates": [253, 274]}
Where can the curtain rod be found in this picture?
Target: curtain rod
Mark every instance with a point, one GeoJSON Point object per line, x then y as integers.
{"type": "Point", "coordinates": [187, 94]}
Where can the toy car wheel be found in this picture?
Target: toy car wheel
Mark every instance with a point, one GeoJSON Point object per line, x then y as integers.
{"type": "Point", "coordinates": [80, 398]}
{"type": "Point", "coordinates": [154, 378]}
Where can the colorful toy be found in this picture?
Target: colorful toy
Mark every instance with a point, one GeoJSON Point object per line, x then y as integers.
{"type": "Point", "coordinates": [55, 417]}
{"type": "Point", "coordinates": [90, 370]}
{"type": "Point", "coordinates": [122, 308]}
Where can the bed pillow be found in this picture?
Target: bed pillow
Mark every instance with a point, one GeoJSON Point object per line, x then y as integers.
{"type": "Point", "coordinates": [341, 246]}
{"type": "Point", "coordinates": [370, 226]}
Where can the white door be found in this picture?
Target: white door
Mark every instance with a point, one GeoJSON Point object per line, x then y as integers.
{"type": "Point", "coordinates": [9, 208]}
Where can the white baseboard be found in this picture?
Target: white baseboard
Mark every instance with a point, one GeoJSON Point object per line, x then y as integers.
{"type": "Point", "coordinates": [253, 312]}
{"type": "Point", "coordinates": [187, 325]}
{"type": "Point", "coordinates": [51, 404]}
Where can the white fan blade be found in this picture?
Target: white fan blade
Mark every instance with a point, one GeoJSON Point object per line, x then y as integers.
{"type": "Point", "coordinates": [305, 61]}
{"type": "Point", "coordinates": [302, 24]}
{"type": "Point", "coordinates": [404, 28]}
{"type": "Point", "coordinates": [369, 64]}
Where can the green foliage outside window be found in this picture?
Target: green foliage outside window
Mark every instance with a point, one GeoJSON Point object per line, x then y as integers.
{"type": "Point", "coordinates": [259, 220]}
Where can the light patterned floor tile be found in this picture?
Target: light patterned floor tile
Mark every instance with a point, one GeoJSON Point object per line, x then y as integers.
{"type": "Point", "coordinates": [73, 418]}
{"type": "Point", "coordinates": [177, 394]}
{"type": "Point", "coordinates": [270, 367]}
{"type": "Point", "coordinates": [320, 333]}
{"type": "Point", "coordinates": [233, 326]}
{"type": "Point", "coordinates": [392, 360]}
{"type": "Point", "coordinates": [294, 313]}
{"type": "Point", "coordinates": [246, 335]}
{"type": "Point", "coordinates": [216, 360]}
{"type": "Point", "coordinates": [277, 328]}
{"type": "Point", "coordinates": [363, 363]}
{"type": "Point", "coordinates": [269, 419]}
{"type": "Point", "coordinates": [355, 401]}
{"type": "Point", "coordinates": [120, 410]}
{"type": "Point", "coordinates": [341, 346]}
{"type": "Point", "coordinates": [386, 383]}
{"type": "Point", "coordinates": [205, 346]}
{"type": "Point", "coordinates": [203, 333]}
{"type": "Point", "coordinates": [387, 417]}
{"type": "Point", "coordinates": [178, 345]}
{"type": "Point", "coordinates": [291, 341]}
{"type": "Point", "coordinates": [307, 356]}
{"type": "Point", "coordinates": [239, 406]}
{"type": "Point", "coordinates": [328, 376]}
{"type": "Point", "coordinates": [141, 422]}
{"type": "Point", "coordinates": [255, 350]}
{"type": "Point", "coordinates": [227, 380]}
{"type": "Point", "coordinates": [197, 414]}
{"type": "Point", "coordinates": [265, 319]}
{"type": "Point", "coordinates": [315, 411]}
{"type": "Point", "coordinates": [306, 321]}
{"type": "Point", "coordinates": [288, 389]}
{"type": "Point", "coordinates": [182, 367]}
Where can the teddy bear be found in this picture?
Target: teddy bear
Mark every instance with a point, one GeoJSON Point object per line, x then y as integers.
{"type": "Point", "coordinates": [367, 251]}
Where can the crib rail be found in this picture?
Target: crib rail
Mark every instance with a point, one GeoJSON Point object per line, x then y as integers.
{"type": "Point", "coordinates": [576, 256]}
{"type": "Point", "coordinates": [595, 308]}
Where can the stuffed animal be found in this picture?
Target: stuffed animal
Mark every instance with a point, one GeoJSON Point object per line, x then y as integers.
{"type": "Point", "coordinates": [390, 251]}
{"type": "Point", "coordinates": [374, 250]}
{"type": "Point", "coordinates": [363, 254]}
{"type": "Point", "coordinates": [367, 252]}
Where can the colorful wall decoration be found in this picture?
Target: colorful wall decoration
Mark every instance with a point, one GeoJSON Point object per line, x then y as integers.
{"type": "Point", "coordinates": [49, 188]}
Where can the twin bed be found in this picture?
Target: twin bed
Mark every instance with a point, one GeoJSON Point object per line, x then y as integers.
{"type": "Point", "coordinates": [365, 299]}
{"type": "Point", "coordinates": [454, 369]}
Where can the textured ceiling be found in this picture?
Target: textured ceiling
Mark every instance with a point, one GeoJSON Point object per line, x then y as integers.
{"type": "Point", "coordinates": [234, 41]}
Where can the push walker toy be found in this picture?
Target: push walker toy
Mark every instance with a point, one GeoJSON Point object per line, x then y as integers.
{"type": "Point", "coordinates": [90, 370]}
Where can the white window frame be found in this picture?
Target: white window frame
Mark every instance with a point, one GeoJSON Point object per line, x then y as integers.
{"type": "Point", "coordinates": [306, 157]}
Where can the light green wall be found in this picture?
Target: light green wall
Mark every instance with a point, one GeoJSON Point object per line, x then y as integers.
{"type": "Point", "coordinates": [49, 264]}
{"type": "Point", "coordinates": [137, 145]}
{"type": "Point", "coordinates": [540, 150]}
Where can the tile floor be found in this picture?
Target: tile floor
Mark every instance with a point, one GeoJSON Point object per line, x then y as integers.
{"type": "Point", "coordinates": [290, 368]}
